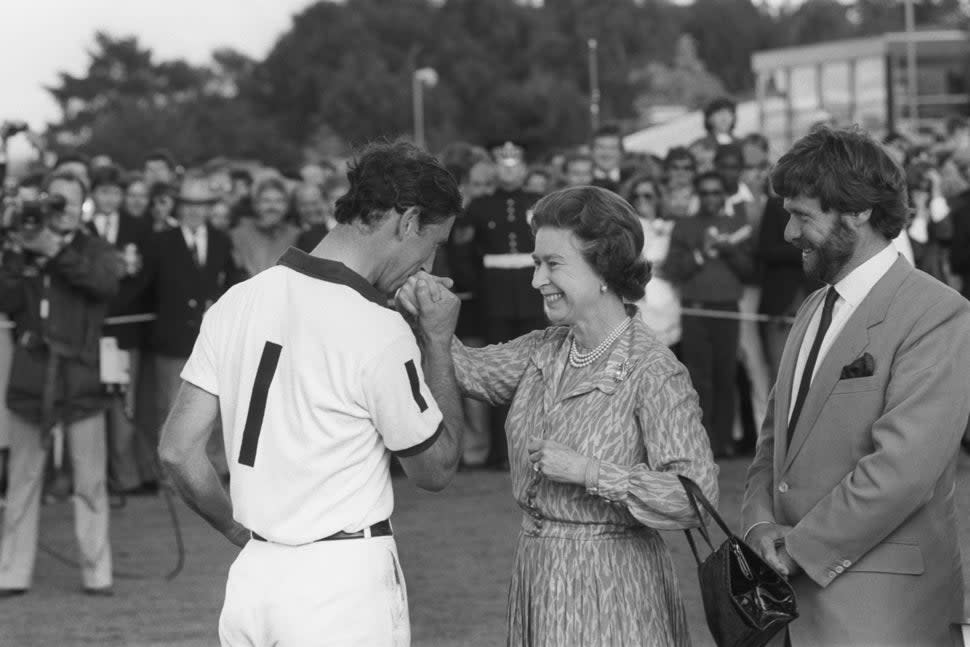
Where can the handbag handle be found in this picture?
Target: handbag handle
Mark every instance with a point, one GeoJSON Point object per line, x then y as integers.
{"type": "Point", "coordinates": [695, 496]}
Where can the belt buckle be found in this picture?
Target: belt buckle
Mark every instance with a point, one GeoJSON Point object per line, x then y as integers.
{"type": "Point", "coordinates": [367, 532]}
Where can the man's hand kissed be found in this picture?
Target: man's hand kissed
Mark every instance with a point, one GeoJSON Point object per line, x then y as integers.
{"type": "Point", "coordinates": [429, 302]}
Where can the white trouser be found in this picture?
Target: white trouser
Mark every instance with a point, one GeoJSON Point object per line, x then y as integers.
{"type": "Point", "coordinates": [329, 593]}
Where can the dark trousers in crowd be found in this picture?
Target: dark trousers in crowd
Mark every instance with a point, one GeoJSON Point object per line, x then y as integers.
{"type": "Point", "coordinates": [710, 353]}
{"type": "Point", "coordinates": [498, 331]}
{"type": "Point", "coordinates": [123, 472]}
{"type": "Point", "coordinates": [167, 382]}
{"type": "Point", "coordinates": [774, 334]}
{"type": "Point", "coordinates": [147, 424]}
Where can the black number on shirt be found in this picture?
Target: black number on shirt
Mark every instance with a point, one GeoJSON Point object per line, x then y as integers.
{"type": "Point", "coordinates": [257, 402]}
{"type": "Point", "coordinates": [415, 385]}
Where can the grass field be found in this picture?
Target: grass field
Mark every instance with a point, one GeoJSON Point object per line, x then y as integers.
{"type": "Point", "coordinates": [456, 550]}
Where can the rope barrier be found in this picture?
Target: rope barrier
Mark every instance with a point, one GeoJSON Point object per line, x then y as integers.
{"type": "Point", "coordinates": [465, 296]}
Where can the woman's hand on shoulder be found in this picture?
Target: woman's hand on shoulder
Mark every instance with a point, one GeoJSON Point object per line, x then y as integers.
{"type": "Point", "coordinates": [557, 462]}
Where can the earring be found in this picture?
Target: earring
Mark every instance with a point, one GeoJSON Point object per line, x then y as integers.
{"type": "Point", "coordinates": [603, 289]}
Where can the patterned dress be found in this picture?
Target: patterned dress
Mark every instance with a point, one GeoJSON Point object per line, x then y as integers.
{"type": "Point", "coordinates": [590, 567]}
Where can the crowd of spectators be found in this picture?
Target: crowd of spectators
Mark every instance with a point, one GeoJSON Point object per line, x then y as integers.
{"type": "Point", "coordinates": [167, 241]}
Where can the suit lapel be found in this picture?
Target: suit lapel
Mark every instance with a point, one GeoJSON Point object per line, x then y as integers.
{"type": "Point", "coordinates": [852, 340]}
{"type": "Point", "coordinates": [786, 375]}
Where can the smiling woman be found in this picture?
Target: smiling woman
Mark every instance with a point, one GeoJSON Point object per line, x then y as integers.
{"type": "Point", "coordinates": [603, 418]}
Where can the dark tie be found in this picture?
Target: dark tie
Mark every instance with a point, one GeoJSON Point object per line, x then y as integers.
{"type": "Point", "coordinates": [823, 326]}
{"type": "Point", "coordinates": [194, 250]}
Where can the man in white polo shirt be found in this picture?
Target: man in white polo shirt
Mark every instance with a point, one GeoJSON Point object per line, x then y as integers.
{"type": "Point", "coordinates": [317, 382]}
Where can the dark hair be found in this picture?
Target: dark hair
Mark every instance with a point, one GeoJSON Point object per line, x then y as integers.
{"type": "Point", "coordinates": [608, 130]}
{"type": "Point", "coordinates": [459, 158]}
{"type": "Point", "coordinates": [241, 174]}
{"type": "Point", "coordinates": [64, 176]}
{"type": "Point", "coordinates": [679, 153]}
{"type": "Point", "coordinates": [720, 103]}
{"type": "Point", "coordinates": [609, 229]}
{"type": "Point", "coordinates": [159, 189]}
{"type": "Point", "coordinates": [107, 175]}
{"type": "Point", "coordinates": [848, 171]}
{"type": "Point", "coordinates": [161, 155]}
{"type": "Point", "coordinates": [397, 175]}
{"type": "Point", "coordinates": [630, 186]}
{"type": "Point", "coordinates": [708, 176]}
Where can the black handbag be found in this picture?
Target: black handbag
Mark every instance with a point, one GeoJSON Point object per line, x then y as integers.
{"type": "Point", "coordinates": [746, 601]}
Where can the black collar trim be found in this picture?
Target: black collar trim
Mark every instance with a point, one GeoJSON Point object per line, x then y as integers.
{"type": "Point", "coordinates": [332, 272]}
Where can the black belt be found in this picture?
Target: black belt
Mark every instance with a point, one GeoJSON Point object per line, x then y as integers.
{"type": "Point", "coordinates": [379, 529]}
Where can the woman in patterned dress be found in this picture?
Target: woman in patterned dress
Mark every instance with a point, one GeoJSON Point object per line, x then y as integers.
{"type": "Point", "coordinates": [603, 418]}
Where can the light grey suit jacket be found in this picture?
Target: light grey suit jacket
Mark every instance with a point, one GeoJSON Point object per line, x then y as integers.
{"type": "Point", "coordinates": [868, 481]}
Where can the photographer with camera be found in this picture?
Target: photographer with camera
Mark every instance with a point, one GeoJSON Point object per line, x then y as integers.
{"type": "Point", "coordinates": [55, 282]}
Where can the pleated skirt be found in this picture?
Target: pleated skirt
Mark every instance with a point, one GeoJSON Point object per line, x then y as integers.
{"type": "Point", "coordinates": [586, 585]}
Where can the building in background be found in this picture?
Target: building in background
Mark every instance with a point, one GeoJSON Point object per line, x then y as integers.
{"type": "Point", "coordinates": [862, 81]}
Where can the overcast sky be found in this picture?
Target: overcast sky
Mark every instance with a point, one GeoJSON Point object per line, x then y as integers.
{"type": "Point", "coordinates": [42, 37]}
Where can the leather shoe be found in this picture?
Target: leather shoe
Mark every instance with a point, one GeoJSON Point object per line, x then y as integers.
{"type": "Point", "coordinates": [100, 591]}
{"type": "Point", "coordinates": [11, 593]}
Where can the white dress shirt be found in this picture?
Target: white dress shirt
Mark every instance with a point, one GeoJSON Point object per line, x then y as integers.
{"type": "Point", "coordinates": [107, 226]}
{"type": "Point", "coordinates": [851, 290]}
{"type": "Point", "coordinates": [197, 242]}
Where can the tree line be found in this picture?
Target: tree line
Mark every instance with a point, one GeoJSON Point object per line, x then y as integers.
{"type": "Point", "coordinates": [341, 74]}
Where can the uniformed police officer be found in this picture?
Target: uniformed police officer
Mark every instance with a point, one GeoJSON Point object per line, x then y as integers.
{"type": "Point", "coordinates": [503, 238]}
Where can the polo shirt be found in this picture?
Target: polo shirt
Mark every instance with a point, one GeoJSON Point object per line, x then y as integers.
{"type": "Point", "coordinates": [318, 382]}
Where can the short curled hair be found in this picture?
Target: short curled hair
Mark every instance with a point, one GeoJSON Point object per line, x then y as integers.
{"type": "Point", "coordinates": [397, 176]}
{"type": "Point", "coordinates": [610, 231]}
{"type": "Point", "coordinates": [848, 171]}
{"type": "Point", "coordinates": [718, 104]}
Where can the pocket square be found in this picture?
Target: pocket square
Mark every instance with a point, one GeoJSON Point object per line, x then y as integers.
{"type": "Point", "coordinates": [863, 366]}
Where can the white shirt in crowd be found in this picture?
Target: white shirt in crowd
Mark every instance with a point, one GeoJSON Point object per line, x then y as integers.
{"type": "Point", "coordinates": [197, 242]}
{"type": "Point", "coordinates": [310, 349]}
{"type": "Point", "coordinates": [107, 226]}
{"type": "Point", "coordinates": [851, 290]}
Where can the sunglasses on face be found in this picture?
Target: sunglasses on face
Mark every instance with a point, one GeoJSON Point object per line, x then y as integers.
{"type": "Point", "coordinates": [757, 167]}
{"type": "Point", "coordinates": [713, 193]}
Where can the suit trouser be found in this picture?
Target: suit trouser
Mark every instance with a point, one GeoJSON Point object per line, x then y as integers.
{"type": "Point", "coordinates": [168, 379]}
{"type": "Point", "coordinates": [751, 354]}
{"type": "Point", "coordinates": [87, 447]}
{"type": "Point", "coordinates": [710, 353]}
{"type": "Point", "coordinates": [123, 470]}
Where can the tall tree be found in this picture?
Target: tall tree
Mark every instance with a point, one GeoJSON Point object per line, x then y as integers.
{"type": "Point", "coordinates": [126, 104]}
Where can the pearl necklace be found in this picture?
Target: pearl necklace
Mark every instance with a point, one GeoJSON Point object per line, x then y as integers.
{"type": "Point", "coordinates": [578, 359]}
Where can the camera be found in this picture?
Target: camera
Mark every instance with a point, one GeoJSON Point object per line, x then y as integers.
{"type": "Point", "coordinates": [31, 215]}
